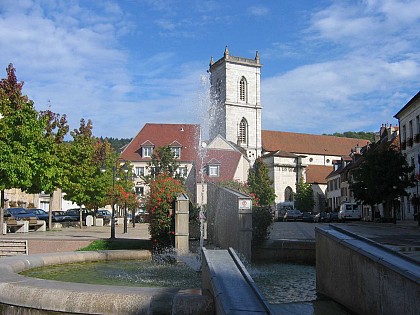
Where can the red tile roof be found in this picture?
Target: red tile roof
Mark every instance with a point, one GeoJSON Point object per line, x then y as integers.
{"type": "Point", "coordinates": [308, 144]}
{"type": "Point", "coordinates": [161, 135]}
{"type": "Point", "coordinates": [228, 161]}
{"type": "Point", "coordinates": [317, 173]}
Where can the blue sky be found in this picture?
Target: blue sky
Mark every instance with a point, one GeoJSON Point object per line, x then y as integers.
{"type": "Point", "coordinates": [328, 66]}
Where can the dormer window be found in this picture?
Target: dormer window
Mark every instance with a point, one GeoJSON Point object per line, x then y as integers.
{"type": "Point", "coordinates": [177, 152]}
{"type": "Point", "coordinates": [176, 149]}
{"type": "Point", "coordinates": [214, 170]}
{"type": "Point", "coordinates": [147, 151]}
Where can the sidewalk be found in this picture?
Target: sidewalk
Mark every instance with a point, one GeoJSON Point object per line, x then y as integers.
{"type": "Point", "coordinates": [403, 237]}
{"type": "Point", "coordinates": [73, 238]}
{"type": "Point", "coordinates": [90, 233]}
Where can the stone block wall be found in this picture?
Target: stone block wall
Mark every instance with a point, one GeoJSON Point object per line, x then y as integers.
{"type": "Point", "coordinates": [228, 226]}
{"type": "Point", "coordinates": [364, 277]}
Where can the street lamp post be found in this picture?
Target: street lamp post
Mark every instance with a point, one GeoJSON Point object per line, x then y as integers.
{"type": "Point", "coordinates": [114, 178]}
{"type": "Point", "coordinates": [125, 169]}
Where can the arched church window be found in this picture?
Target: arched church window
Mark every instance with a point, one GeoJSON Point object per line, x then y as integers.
{"type": "Point", "coordinates": [242, 89]}
{"type": "Point", "coordinates": [288, 194]}
{"type": "Point", "coordinates": [243, 131]}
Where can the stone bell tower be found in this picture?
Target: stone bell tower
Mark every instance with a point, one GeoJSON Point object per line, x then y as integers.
{"type": "Point", "coordinates": [236, 108]}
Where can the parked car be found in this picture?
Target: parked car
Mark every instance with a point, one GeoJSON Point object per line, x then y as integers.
{"type": "Point", "coordinates": [320, 217]}
{"type": "Point", "coordinates": [19, 213]}
{"type": "Point", "coordinates": [74, 214]}
{"type": "Point", "coordinates": [307, 217]}
{"type": "Point", "coordinates": [332, 217]}
{"type": "Point", "coordinates": [104, 214]}
{"type": "Point", "coordinates": [39, 213]}
{"type": "Point", "coordinates": [292, 215]}
{"type": "Point", "coordinates": [141, 216]}
{"type": "Point", "coordinates": [60, 216]}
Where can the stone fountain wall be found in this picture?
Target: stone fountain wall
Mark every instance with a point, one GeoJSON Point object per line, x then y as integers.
{"type": "Point", "coordinates": [229, 219]}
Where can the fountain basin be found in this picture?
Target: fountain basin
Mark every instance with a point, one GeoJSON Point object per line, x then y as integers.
{"type": "Point", "coordinates": [76, 298]}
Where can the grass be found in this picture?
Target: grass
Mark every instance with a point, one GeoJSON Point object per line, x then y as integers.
{"type": "Point", "coordinates": [117, 244]}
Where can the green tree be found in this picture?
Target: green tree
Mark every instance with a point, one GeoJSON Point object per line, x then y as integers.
{"type": "Point", "coordinates": [82, 173]}
{"type": "Point", "coordinates": [104, 159]}
{"type": "Point", "coordinates": [163, 162]}
{"type": "Point", "coordinates": [304, 199]}
{"type": "Point", "coordinates": [48, 175]}
{"type": "Point", "coordinates": [116, 143]}
{"type": "Point", "coordinates": [260, 183]}
{"type": "Point", "coordinates": [366, 135]}
{"type": "Point", "coordinates": [383, 174]}
{"type": "Point", "coordinates": [21, 137]}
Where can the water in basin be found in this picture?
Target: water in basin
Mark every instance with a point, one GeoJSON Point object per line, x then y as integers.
{"type": "Point", "coordinates": [291, 289]}
{"type": "Point", "coordinates": [139, 273]}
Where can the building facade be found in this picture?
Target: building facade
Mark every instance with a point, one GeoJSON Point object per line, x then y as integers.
{"type": "Point", "coordinates": [291, 157]}
{"type": "Point", "coordinates": [235, 113]}
{"type": "Point", "coordinates": [409, 125]}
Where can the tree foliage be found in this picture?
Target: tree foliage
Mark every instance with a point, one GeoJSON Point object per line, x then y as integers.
{"type": "Point", "coordinates": [160, 205]}
{"type": "Point", "coordinates": [163, 162]}
{"type": "Point", "coordinates": [21, 138]}
{"type": "Point", "coordinates": [82, 177]}
{"type": "Point", "coordinates": [366, 135]}
{"type": "Point", "coordinates": [304, 199]}
{"type": "Point", "coordinates": [383, 174]}
{"type": "Point", "coordinates": [260, 183]}
{"type": "Point", "coordinates": [24, 145]}
{"type": "Point", "coordinates": [116, 143]}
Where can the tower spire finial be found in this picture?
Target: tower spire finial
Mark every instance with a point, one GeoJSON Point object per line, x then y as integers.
{"type": "Point", "coordinates": [211, 61]}
{"type": "Point", "coordinates": [257, 57]}
{"type": "Point", "coordinates": [226, 51]}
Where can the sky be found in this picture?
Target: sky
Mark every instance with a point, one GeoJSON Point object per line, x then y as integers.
{"type": "Point", "coordinates": [328, 66]}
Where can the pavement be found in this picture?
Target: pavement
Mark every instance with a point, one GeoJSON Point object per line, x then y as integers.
{"type": "Point", "coordinates": [72, 238]}
{"type": "Point", "coordinates": [404, 236]}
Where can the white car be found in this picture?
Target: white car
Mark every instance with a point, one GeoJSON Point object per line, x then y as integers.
{"type": "Point", "coordinates": [349, 211]}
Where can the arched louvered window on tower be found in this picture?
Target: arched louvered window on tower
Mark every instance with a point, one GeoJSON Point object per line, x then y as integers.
{"type": "Point", "coordinates": [243, 132]}
{"type": "Point", "coordinates": [242, 89]}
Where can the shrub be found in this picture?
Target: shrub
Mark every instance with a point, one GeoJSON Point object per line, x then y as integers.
{"type": "Point", "coordinates": [160, 205]}
{"type": "Point", "coordinates": [261, 222]}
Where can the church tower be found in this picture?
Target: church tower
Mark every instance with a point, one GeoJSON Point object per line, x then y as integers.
{"type": "Point", "coordinates": [235, 113]}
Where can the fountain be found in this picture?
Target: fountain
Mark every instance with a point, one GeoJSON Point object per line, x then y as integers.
{"type": "Point", "coordinates": [24, 295]}
{"type": "Point", "coordinates": [42, 296]}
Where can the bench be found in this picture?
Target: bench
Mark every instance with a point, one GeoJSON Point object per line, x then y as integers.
{"type": "Point", "coordinates": [13, 247]}
{"type": "Point", "coordinates": [37, 225]}
{"type": "Point", "coordinates": [16, 226]}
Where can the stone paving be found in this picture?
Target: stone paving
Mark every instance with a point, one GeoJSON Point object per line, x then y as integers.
{"type": "Point", "coordinates": [404, 236]}
{"type": "Point", "coordinates": [72, 238]}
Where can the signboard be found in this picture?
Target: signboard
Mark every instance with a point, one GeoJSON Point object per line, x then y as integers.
{"type": "Point", "coordinates": [245, 204]}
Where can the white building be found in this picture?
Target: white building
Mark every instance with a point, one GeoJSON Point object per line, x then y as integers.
{"type": "Point", "coordinates": [409, 125]}
{"type": "Point", "coordinates": [236, 110]}
{"type": "Point", "coordinates": [236, 116]}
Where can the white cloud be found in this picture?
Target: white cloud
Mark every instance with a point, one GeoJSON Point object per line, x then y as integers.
{"type": "Point", "coordinates": [258, 10]}
{"type": "Point", "coordinates": [336, 95]}
{"type": "Point", "coordinates": [360, 87]}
